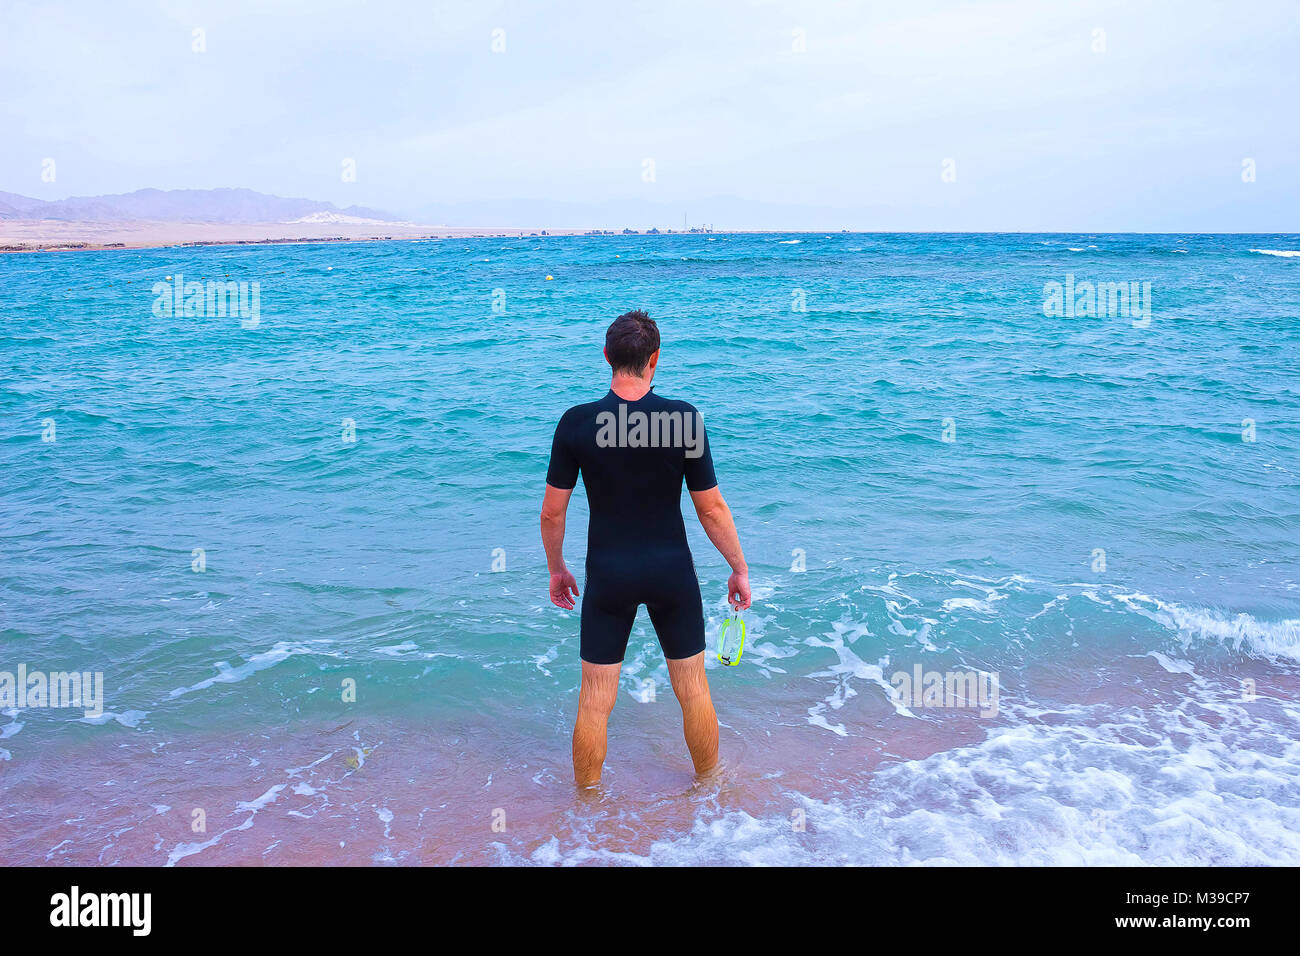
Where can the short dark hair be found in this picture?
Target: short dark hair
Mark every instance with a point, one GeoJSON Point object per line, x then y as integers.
{"type": "Point", "coordinates": [630, 341]}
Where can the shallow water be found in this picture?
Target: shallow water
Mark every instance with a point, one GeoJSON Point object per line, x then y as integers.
{"type": "Point", "coordinates": [1147, 710]}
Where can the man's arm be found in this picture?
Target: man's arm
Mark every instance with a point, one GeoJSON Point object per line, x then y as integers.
{"type": "Point", "coordinates": [715, 517]}
{"type": "Point", "coordinates": [555, 505]}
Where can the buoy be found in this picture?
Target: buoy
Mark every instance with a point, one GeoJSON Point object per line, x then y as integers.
{"type": "Point", "coordinates": [549, 278]}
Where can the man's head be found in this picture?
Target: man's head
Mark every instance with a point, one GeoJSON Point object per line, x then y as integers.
{"type": "Point", "coordinates": [632, 344]}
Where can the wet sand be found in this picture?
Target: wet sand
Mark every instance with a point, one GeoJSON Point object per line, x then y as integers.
{"type": "Point", "coordinates": [482, 789]}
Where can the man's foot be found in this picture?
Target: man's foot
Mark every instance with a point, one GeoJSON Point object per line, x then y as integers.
{"type": "Point", "coordinates": [715, 773]}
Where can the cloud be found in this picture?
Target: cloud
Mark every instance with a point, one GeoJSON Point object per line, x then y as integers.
{"type": "Point", "coordinates": [829, 105]}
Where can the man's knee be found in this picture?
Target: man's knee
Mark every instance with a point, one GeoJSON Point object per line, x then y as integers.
{"type": "Point", "coordinates": [689, 681]}
{"type": "Point", "coordinates": [595, 708]}
{"type": "Point", "coordinates": [599, 689]}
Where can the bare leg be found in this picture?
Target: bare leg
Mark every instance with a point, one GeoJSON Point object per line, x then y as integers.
{"type": "Point", "coordinates": [699, 722]}
{"type": "Point", "coordinates": [595, 701]}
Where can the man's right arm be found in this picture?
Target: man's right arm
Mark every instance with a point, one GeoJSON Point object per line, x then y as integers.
{"type": "Point", "coordinates": [715, 518]}
{"type": "Point", "coordinates": [555, 505]}
{"type": "Point", "coordinates": [561, 477]}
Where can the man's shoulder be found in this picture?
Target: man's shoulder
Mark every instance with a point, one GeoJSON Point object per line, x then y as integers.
{"type": "Point", "coordinates": [587, 411]}
{"type": "Point", "coordinates": [677, 405]}
{"type": "Point", "coordinates": [579, 413]}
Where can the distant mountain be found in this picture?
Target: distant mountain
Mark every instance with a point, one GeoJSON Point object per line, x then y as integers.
{"type": "Point", "coordinates": [184, 205]}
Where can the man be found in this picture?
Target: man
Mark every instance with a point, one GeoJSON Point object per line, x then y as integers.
{"type": "Point", "coordinates": [633, 450]}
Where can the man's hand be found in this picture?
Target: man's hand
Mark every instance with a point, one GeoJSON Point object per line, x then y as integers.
{"type": "Point", "coordinates": [737, 590]}
{"type": "Point", "coordinates": [563, 582]}
{"type": "Point", "coordinates": [554, 507]}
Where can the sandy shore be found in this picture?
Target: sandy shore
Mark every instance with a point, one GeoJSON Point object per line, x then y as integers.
{"type": "Point", "coordinates": [439, 784]}
{"type": "Point", "coordinates": [25, 235]}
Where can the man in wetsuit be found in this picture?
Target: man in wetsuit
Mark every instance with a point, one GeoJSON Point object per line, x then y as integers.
{"type": "Point", "coordinates": [633, 450]}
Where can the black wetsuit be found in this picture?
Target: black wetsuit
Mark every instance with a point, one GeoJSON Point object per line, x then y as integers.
{"type": "Point", "coordinates": [632, 466]}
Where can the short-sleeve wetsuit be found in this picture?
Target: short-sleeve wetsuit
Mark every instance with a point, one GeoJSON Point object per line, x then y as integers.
{"type": "Point", "coordinates": [633, 457]}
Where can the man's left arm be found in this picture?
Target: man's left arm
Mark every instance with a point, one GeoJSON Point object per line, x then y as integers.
{"type": "Point", "coordinates": [555, 506]}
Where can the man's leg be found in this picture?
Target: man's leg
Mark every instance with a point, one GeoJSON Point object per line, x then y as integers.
{"type": "Point", "coordinates": [595, 701]}
{"type": "Point", "coordinates": [699, 722]}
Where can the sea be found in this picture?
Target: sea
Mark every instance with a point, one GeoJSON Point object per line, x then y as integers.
{"type": "Point", "coordinates": [1022, 514]}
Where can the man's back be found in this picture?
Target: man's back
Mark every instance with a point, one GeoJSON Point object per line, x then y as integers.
{"type": "Point", "coordinates": [633, 457]}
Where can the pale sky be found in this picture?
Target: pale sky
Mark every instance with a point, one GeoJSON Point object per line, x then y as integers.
{"type": "Point", "coordinates": [1073, 116]}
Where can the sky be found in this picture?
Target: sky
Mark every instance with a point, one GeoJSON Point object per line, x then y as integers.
{"type": "Point", "coordinates": [1003, 116]}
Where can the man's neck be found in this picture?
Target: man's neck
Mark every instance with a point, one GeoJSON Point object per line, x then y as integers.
{"type": "Point", "coordinates": [629, 387]}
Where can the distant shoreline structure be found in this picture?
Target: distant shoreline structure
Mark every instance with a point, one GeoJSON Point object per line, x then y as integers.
{"type": "Point", "coordinates": [18, 236]}
{"type": "Point", "coordinates": [8, 247]}
{"type": "Point", "coordinates": [156, 219]}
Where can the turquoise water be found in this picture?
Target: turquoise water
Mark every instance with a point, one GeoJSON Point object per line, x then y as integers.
{"type": "Point", "coordinates": [1148, 705]}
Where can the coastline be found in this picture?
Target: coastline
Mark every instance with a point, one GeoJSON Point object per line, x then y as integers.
{"type": "Point", "coordinates": [45, 235]}
{"type": "Point", "coordinates": [32, 235]}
